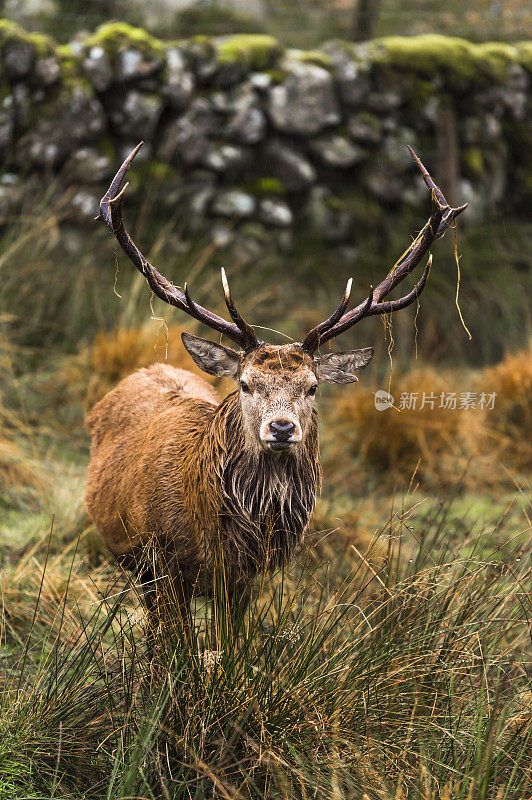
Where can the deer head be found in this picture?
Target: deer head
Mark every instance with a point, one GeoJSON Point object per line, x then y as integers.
{"type": "Point", "coordinates": [277, 384]}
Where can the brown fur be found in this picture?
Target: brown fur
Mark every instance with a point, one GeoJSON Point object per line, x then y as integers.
{"type": "Point", "coordinates": [170, 465]}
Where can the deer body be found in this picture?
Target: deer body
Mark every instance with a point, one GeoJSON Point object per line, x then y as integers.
{"type": "Point", "coordinates": [170, 466]}
{"type": "Point", "coordinates": [234, 482]}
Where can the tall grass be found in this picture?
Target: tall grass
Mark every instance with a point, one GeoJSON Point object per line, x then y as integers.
{"type": "Point", "coordinates": [373, 676]}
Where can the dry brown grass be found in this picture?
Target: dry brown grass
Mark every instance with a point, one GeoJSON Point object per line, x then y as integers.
{"type": "Point", "coordinates": [440, 446]}
{"type": "Point", "coordinates": [16, 467]}
{"type": "Point", "coordinates": [509, 426]}
{"type": "Point", "coordinates": [397, 442]}
{"type": "Point", "coordinates": [89, 375]}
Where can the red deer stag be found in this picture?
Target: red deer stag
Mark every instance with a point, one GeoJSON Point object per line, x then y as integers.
{"type": "Point", "coordinates": [171, 465]}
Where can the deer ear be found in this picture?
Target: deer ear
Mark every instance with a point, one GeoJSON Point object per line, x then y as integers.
{"type": "Point", "coordinates": [212, 358]}
{"type": "Point", "coordinates": [340, 367]}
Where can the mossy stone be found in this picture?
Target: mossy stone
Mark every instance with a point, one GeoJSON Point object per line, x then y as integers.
{"type": "Point", "coordinates": [317, 57]}
{"type": "Point", "coordinates": [430, 53]}
{"type": "Point", "coordinates": [523, 52]}
{"type": "Point", "coordinates": [257, 51]}
{"type": "Point", "coordinates": [11, 32]}
{"type": "Point", "coordinates": [115, 37]}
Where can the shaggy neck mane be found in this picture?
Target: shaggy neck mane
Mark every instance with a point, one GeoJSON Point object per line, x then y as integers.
{"type": "Point", "coordinates": [263, 501]}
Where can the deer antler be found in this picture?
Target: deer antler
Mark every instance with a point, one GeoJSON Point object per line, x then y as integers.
{"type": "Point", "coordinates": [442, 215]}
{"type": "Point", "coordinates": [111, 212]}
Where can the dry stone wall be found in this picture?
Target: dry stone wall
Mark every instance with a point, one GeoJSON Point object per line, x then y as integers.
{"type": "Point", "coordinates": [240, 131]}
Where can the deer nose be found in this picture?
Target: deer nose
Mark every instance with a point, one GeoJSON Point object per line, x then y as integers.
{"type": "Point", "coordinates": [282, 429]}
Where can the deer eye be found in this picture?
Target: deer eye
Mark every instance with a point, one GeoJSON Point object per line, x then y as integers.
{"type": "Point", "coordinates": [312, 391]}
{"type": "Point", "coordinates": [245, 388]}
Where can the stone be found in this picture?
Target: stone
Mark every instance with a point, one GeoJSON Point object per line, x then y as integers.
{"type": "Point", "coordinates": [222, 236]}
{"type": "Point", "coordinates": [78, 119]}
{"type": "Point", "coordinates": [97, 68]}
{"type": "Point", "coordinates": [85, 204]}
{"type": "Point", "coordinates": [21, 107]}
{"type": "Point", "coordinates": [352, 76]}
{"type": "Point", "coordinates": [6, 129]}
{"type": "Point", "coordinates": [134, 65]}
{"type": "Point", "coordinates": [333, 224]}
{"type": "Point", "coordinates": [275, 212]}
{"type": "Point", "coordinates": [46, 152]}
{"type": "Point", "coordinates": [261, 81]}
{"type": "Point", "coordinates": [289, 166]}
{"type": "Point", "coordinates": [364, 128]}
{"type": "Point", "coordinates": [144, 156]}
{"type": "Point", "coordinates": [226, 158]}
{"type": "Point", "coordinates": [185, 140]}
{"type": "Point", "coordinates": [492, 128]}
{"type": "Point", "coordinates": [83, 118]}
{"type": "Point", "coordinates": [305, 103]}
{"type": "Point", "coordinates": [335, 150]}
{"type": "Point", "coordinates": [384, 102]}
{"type": "Point", "coordinates": [383, 183]}
{"type": "Point", "coordinates": [429, 111]}
{"type": "Point", "coordinates": [87, 165]}
{"type": "Point", "coordinates": [233, 203]}
{"type": "Point", "coordinates": [199, 200]}
{"type": "Point", "coordinates": [180, 82]}
{"type": "Point", "coordinates": [18, 59]}
{"type": "Point", "coordinates": [396, 150]}
{"type": "Point", "coordinates": [11, 200]}
{"type": "Point", "coordinates": [247, 122]}
{"type": "Point", "coordinates": [136, 115]}
{"type": "Point", "coordinates": [47, 71]}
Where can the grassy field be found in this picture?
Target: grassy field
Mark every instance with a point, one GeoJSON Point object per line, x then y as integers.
{"type": "Point", "coordinates": [392, 661]}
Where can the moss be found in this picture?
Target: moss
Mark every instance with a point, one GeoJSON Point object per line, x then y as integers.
{"type": "Point", "coordinates": [316, 57]}
{"type": "Point", "coordinates": [69, 64]}
{"type": "Point", "coordinates": [257, 51]}
{"type": "Point", "coordinates": [115, 37]}
{"type": "Point", "coordinates": [432, 52]}
{"type": "Point", "coordinates": [473, 161]}
{"type": "Point", "coordinates": [267, 185]}
{"type": "Point", "coordinates": [498, 55]}
{"type": "Point", "coordinates": [524, 54]}
{"type": "Point", "coordinates": [11, 32]}
{"type": "Point", "coordinates": [277, 75]}
{"type": "Point", "coordinates": [369, 119]}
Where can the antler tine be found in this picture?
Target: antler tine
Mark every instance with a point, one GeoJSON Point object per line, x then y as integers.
{"type": "Point", "coordinates": [312, 340]}
{"type": "Point", "coordinates": [442, 216]}
{"type": "Point", "coordinates": [111, 212]}
{"type": "Point", "coordinates": [389, 306]}
{"type": "Point", "coordinates": [247, 330]}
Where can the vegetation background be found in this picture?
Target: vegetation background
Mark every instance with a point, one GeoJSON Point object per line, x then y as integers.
{"type": "Point", "coordinates": [394, 660]}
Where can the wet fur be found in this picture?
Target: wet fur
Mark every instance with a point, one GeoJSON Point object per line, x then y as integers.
{"type": "Point", "coordinates": [169, 466]}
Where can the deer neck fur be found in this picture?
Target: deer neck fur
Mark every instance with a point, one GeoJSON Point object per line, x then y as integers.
{"type": "Point", "coordinates": [259, 502]}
